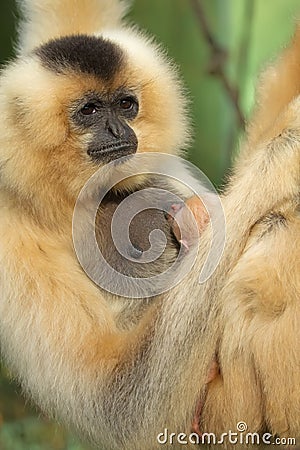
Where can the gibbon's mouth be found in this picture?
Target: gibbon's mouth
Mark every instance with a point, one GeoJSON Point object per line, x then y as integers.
{"type": "Point", "coordinates": [110, 152]}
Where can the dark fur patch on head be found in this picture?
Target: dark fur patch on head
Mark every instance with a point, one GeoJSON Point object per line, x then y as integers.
{"type": "Point", "coordinates": [87, 54]}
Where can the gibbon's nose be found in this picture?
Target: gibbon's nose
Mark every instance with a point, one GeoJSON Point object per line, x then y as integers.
{"type": "Point", "coordinates": [116, 127]}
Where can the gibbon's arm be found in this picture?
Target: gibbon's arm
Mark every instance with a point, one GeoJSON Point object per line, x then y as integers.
{"type": "Point", "coordinates": [121, 389]}
{"type": "Point", "coordinates": [48, 19]}
{"type": "Point", "coordinates": [259, 347]}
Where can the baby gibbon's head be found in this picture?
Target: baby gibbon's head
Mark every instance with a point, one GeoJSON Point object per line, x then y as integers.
{"type": "Point", "coordinates": [78, 101]}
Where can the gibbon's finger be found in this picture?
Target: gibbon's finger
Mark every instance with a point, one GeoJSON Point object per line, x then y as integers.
{"type": "Point", "coordinates": [212, 374]}
{"type": "Point", "coordinates": [199, 211]}
{"type": "Point", "coordinates": [182, 223]}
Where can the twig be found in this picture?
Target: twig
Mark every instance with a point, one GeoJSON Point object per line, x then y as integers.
{"type": "Point", "coordinates": [243, 54]}
{"type": "Point", "coordinates": [218, 60]}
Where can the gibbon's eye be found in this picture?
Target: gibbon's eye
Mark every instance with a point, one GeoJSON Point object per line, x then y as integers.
{"type": "Point", "coordinates": [127, 103]}
{"type": "Point", "coordinates": [89, 109]}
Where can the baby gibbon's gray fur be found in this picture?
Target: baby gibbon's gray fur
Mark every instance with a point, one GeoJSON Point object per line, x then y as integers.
{"type": "Point", "coordinates": [120, 387]}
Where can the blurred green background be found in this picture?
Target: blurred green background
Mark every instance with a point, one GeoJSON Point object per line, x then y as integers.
{"type": "Point", "coordinates": [220, 47]}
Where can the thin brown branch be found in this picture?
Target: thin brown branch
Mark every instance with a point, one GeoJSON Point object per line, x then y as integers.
{"type": "Point", "coordinates": [243, 54]}
{"type": "Point", "coordinates": [218, 60]}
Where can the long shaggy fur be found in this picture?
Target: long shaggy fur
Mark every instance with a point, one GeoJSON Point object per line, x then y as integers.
{"type": "Point", "coordinates": [120, 387]}
{"type": "Point", "coordinates": [259, 350]}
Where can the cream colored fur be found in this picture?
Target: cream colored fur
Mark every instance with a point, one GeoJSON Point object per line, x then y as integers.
{"type": "Point", "coordinates": [59, 336]}
{"type": "Point", "coordinates": [259, 348]}
{"type": "Point", "coordinates": [48, 19]}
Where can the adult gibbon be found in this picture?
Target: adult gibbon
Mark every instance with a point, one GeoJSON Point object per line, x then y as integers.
{"type": "Point", "coordinates": [82, 79]}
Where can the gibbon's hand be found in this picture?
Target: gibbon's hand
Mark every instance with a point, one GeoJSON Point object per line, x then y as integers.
{"type": "Point", "coordinates": [182, 223]}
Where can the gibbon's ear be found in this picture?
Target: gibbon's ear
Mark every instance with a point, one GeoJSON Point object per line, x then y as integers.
{"type": "Point", "coordinates": [47, 19]}
{"type": "Point", "coordinates": [278, 85]}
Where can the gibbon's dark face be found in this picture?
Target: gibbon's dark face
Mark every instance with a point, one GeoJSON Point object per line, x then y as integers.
{"type": "Point", "coordinates": [108, 119]}
{"type": "Point", "coordinates": [105, 115]}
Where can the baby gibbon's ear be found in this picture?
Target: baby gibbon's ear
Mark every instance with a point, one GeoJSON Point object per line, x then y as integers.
{"type": "Point", "coordinates": [278, 85]}
{"type": "Point", "coordinates": [47, 19]}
